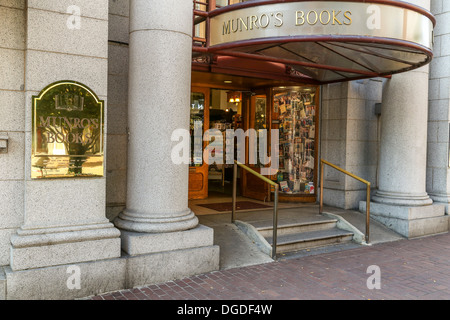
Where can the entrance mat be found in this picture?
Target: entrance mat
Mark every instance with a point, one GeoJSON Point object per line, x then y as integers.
{"type": "Point", "coordinates": [240, 205]}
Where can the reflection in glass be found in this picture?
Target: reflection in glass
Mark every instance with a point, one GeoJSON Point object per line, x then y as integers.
{"type": "Point", "coordinates": [196, 128]}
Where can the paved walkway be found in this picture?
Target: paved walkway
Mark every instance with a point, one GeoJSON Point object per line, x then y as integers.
{"type": "Point", "coordinates": [409, 269]}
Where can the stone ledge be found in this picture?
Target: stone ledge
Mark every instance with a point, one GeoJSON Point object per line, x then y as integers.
{"type": "Point", "coordinates": [410, 222]}
{"type": "Point", "coordinates": [126, 272]}
{"type": "Point", "coordinates": [37, 248]}
{"type": "Point", "coordinates": [64, 253]}
{"type": "Point", "coordinates": [144, 243]}
{"type": "Point", "coordinates": [51, 236]}
{"type": "Point", "coordinates": [403, 212]}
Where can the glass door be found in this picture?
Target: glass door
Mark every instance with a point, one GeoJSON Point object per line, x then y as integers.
{"type": "Point", "coordinates": [258, 119]}
{"type": "Point", "coordinates": [199, 123]}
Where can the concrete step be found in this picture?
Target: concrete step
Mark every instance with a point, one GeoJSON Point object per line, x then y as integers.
{"type": "Point", "coordinates": [310, 239]}
{"type": "Point", "coordinates": [286, 227]}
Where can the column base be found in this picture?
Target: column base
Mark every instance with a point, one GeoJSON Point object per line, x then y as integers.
{"type": "Point", "coordinates": [37, 248]}
{"type": "Point", "coordinates": [400, 199]}
{"type": "Point", "coordinates": [442, 199]}
{"type": "Point", "coordinates": [141, 223]}
{"type": "Point", "coordinates": [134, 243]}
{"type": "Point", "coordinates": [410, 222]}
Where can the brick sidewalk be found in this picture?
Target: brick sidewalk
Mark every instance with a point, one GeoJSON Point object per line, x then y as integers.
{"type": "Point", "coordinates": [410, 269]}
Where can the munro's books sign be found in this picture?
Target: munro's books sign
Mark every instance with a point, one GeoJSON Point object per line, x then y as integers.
{"type": "Point", "coordinates": [67, 132]}
{"type": "Point", "coordinates": [320, 18]}
{"type": "Point", "coordinates": [327, 41]}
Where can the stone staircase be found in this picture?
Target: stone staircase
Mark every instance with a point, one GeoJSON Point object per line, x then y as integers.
{"type": "Point", "coordinates": [296, 233]}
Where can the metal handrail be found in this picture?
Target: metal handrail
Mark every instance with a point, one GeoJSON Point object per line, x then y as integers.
{"type": "Point", "coordinates": [275, 207]}
{"type": "Point", "coordinates": [322, 162]}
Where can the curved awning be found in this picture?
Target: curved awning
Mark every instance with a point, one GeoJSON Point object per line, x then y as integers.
{"type": "Point", "coordinates": [327, 41]}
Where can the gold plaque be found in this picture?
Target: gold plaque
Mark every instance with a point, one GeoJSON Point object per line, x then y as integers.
{"type": "Point", "coordinates": [67, 132]}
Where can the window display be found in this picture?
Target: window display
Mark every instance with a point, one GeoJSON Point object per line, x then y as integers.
{"type": "Point", "coordinates": [296, 111]}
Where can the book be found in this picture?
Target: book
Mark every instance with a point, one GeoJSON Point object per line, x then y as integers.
{"type": "Point", "coordinates": [284, 186]}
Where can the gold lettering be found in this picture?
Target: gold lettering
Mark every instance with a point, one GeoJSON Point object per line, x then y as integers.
{"type": "Point", "coordinates": [277, 16]}
{"type": "Point", "coordinates": [95, 123]}
{"type": "Point", "coordinates": [70, 135]}
{"type": "Point", "coordinates": [88, 138]}
{"type": "Point", "coordinates": [226, 28]}
{"type": "Point", "coordinates": [76, 123]}
{"type": "Point", "coordinates": [315, 21]}
{"type": "Point", "coordinates": [253, 22]}
{"type": "Point", "coordinates": [44, 123]}
{"type": "Point", "coordinates": [83, 125]}
{"type": "Point", "coordinates": [301, 17]}
{"type": "Point", "coordinates": [265, 25]}
{"type": "Point", "coordinates": [66, 121]}
{"type": "Point", "coordinates": [242, 23]}
{"type": "Point", "coordinates": [60, 138]}
{"type": "Point", "coordinates": [50, 137]}
{"type": "Point", "coordinates": [346, 14]}
{"type": "Point", "coordinates": [54, 121]}
{"type": "Point", "coordinates": [234, 30]}
{"type": "Point", "coordinates": [335, 15]}
{"type": "Point", "coordinates": [321, 16]}
{"type": "Point", "coordinates": [78, 138]}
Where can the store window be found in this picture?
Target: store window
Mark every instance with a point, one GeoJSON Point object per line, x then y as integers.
{"type": "Point", "coordinates": [295, 110]}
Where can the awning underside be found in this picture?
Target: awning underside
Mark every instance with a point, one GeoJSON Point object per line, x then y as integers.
{"type": "Point", "coordinates": [332, 61]}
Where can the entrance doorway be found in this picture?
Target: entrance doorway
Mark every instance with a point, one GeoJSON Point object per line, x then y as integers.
{"type": "Point", "coordinates": [291, 111]}
{"type": "Point", "coordinates": [225, 113]}
{"type": "Point", "coordinates": [216, 110]}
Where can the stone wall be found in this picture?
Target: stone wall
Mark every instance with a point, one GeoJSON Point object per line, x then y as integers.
{"type": "Point", "coordinates": [349, 139]}
{"type": "Point", "coordinates": [438, 173]}
{"type": "Point", "coordinates": [12, 124]}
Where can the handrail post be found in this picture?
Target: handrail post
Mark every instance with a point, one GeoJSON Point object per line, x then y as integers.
{"type": "Point", "coordinates": [275, 223]}
{"type": "Point", "coordinates": [368, 214]}
{"type": "Point", "coordinates": [233, 211]}
{"type": "Point", "coordinates": [321, 188]}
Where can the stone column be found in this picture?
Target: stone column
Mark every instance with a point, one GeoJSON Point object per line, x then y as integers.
{"type": "Point", "coordinates": [438, 175]}
{"type": "Point", "coordinates": [401, 201]}
{"type": "Point", "coordinates": [403, 149]}
{"type": "Point", "coordinates": [159, 99]}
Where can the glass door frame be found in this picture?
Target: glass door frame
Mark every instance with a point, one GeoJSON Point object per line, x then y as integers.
{"type": "Point", "coordinates": [199, 174]}
{"type": "Point", "coordinates": [251, 186]}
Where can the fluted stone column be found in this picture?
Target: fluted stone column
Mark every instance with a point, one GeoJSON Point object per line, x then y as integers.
{"type": "Point", "coordinates": [159, 98]}
{"type": "Point", "coordinates": [401, 201]}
